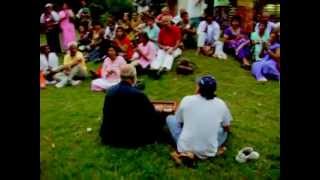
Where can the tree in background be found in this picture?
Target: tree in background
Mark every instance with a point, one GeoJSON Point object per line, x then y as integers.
{"type": "Point", "coordinates": [98, 8]}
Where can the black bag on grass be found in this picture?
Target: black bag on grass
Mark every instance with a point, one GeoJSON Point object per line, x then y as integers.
{"type": "Point", "coordinates": [185, 67]}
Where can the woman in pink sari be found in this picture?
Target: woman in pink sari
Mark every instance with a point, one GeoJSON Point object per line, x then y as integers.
{"type": "Point", "coordinates": [110, 72]}
{"type": "Point", "coordinates": [67, 27]}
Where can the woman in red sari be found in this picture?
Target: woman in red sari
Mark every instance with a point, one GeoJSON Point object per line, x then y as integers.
{"type": "Point", "coordinates": [123, 43]}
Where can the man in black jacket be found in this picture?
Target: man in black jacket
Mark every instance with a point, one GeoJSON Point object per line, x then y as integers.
{"type": "Point", "coordinates": [129, 118]}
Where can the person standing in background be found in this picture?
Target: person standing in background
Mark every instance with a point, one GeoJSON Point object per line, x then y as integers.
{"type": "Point", "coordinates": [67, 26]}
{"type": "Point", "coordinates": [195, 8]}
{"type": "Point", "coordinates": [50, 20]}
{"type": "Point", "coordinates": [84, 15]}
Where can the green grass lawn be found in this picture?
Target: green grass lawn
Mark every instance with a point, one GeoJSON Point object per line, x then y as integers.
{"type": "Point", "coordinates": [66, 113]}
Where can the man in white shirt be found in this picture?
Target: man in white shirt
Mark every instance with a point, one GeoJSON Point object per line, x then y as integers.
{"type": "Point", "coordinates": [48, 63]}
{"type": "Point", "coordinates": [208, 38]}
{"type": "Point", "coordinates": [201, 123]}
{"type": "Point", "coordinates": [50, 21]}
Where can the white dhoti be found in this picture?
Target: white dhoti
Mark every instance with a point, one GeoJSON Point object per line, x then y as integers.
{"type": "Point", "coordinates": [218, 45]}
{"type": "Point", "coordinates": [201, 39]}
{"type": "Point", "coordinates": [164, 59]}
{"type": "Point", "coordinates": [102, 84]}
{"type": "Point", "coordinates": [219, 50]}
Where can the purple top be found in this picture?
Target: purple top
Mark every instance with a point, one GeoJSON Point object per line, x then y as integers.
{"type": "Point", "coordinates": [232, 35]}
{"type": "Point", "coordinates": [272, 48]}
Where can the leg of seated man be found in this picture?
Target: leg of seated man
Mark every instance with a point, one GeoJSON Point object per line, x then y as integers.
{"type": "Point", "coordinates": [62, 78]}
{"type": "Point", "coordinates": [201, 41]}
{"type": "Point", "coordinates": [102, 84]}
{"type": "Point", "coordinates": [176, 53]}
{"type": "Point", "coordinates": [76, 70]}
{"type": "Point", "coordinates": [168, 61]}
{"type": "Point", "coordinates": [156, 64]}
{"type": "Point", "coordinates": [219, 50]}
{"type": "Point", "coordinates": [174, 127]}
{"type": "Point", "coordinates": [222, 137]}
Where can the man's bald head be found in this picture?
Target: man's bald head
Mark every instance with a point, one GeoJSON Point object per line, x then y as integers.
{"type": "Point", "coordinates": [128, 73]}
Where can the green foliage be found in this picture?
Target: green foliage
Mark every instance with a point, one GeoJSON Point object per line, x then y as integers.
{"type": "Point", "coordinates": [115, 6]}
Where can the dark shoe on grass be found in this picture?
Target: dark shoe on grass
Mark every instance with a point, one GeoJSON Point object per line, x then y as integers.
{"type": "Point", "coordinates": [246, 67]}
{"type": "Point", "coordinates": [154, 74]}
{"type": "Point", "coordinates": [93, 74]}
{"type": "Point", "coordinates": [140, 85]}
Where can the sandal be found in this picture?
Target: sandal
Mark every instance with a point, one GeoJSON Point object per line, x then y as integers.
{"type": "Point", "coordinates": [246, 67]}
{"type": "Point", "coordinates": [187, 158]}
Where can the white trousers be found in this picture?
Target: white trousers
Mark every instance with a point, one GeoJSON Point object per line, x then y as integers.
{"type": "Point", "coordinates": [75, 71]}
{"type": "Point", "coordinates": [102, 84]}
{"type": "Point", "coordinates": [164, 59]}
{"type": "Point", "coordinates": [218, 45]}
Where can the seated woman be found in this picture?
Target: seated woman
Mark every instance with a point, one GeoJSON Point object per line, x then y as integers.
{"type": "Point", "coordinates": [125, 22]}
{"type": "Point", "coordinates": [110, 30]}
{"type": "Point", "coordinates": [84, 38]}
{"type": "Point", "coordinates": [145, 54]}
{"type": "Point", "coordinates": [269, 66]}
{"type": "Point", "coordinates": [123, 43]}
{"type": "Point", "coordinates": [236, 42]}
{"type": "Point", "coordinates": [152, 30]}
{"type": "Point", "coordinates": [135, 20]}
{"type": "Point", "coordinates": [74, 65]}
{"type": "Point", "coordinates": [136, 23]}
{"type": "Point", "coordinates": [110, 73]}
{"type": "Point", "coordinates": [96, 40]}
{"type": "Point", "coordinates": [258, 39]}
{"type": "Point", "coordinates": [188, 31]}
{"type": "Point", "coordinates": [48, 64]}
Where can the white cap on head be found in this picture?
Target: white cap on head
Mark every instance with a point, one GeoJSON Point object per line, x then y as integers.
{"type": "Point", "coordinates": [48, 5]}
{"type": "Point", "coordinates": [73, 43]}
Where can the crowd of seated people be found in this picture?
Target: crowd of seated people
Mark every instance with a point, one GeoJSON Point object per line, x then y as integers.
{"type": "Point", "coordinates": [152, 42]}
{"type": "Point", "coordinates": [147, 43]}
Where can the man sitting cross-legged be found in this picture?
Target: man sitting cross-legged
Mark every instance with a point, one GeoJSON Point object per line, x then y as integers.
{"type": "Point", "coordinates": [168, 41]}
{"type": "Point", "coordinates": [201, 123]}
{"type": "Point", "coordinates": [208, 38]}
{"type": "Point", "coordinates": [129, 118]}
{"type": "Point", "coordinates": [73, 65]}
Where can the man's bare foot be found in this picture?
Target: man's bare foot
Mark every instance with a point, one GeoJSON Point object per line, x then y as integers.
{"type": "Point", "coordinates": [221, 150]}
{"type": "Point", "coordinates": [175, 156]}
{"type": "Point", "coordinates": [186, 158]}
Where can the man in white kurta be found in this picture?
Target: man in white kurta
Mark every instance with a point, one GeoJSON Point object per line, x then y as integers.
{"type": "Point", "coordinates": [48, 62]}
{"type": "Point", "coordinates": [208, 35]}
